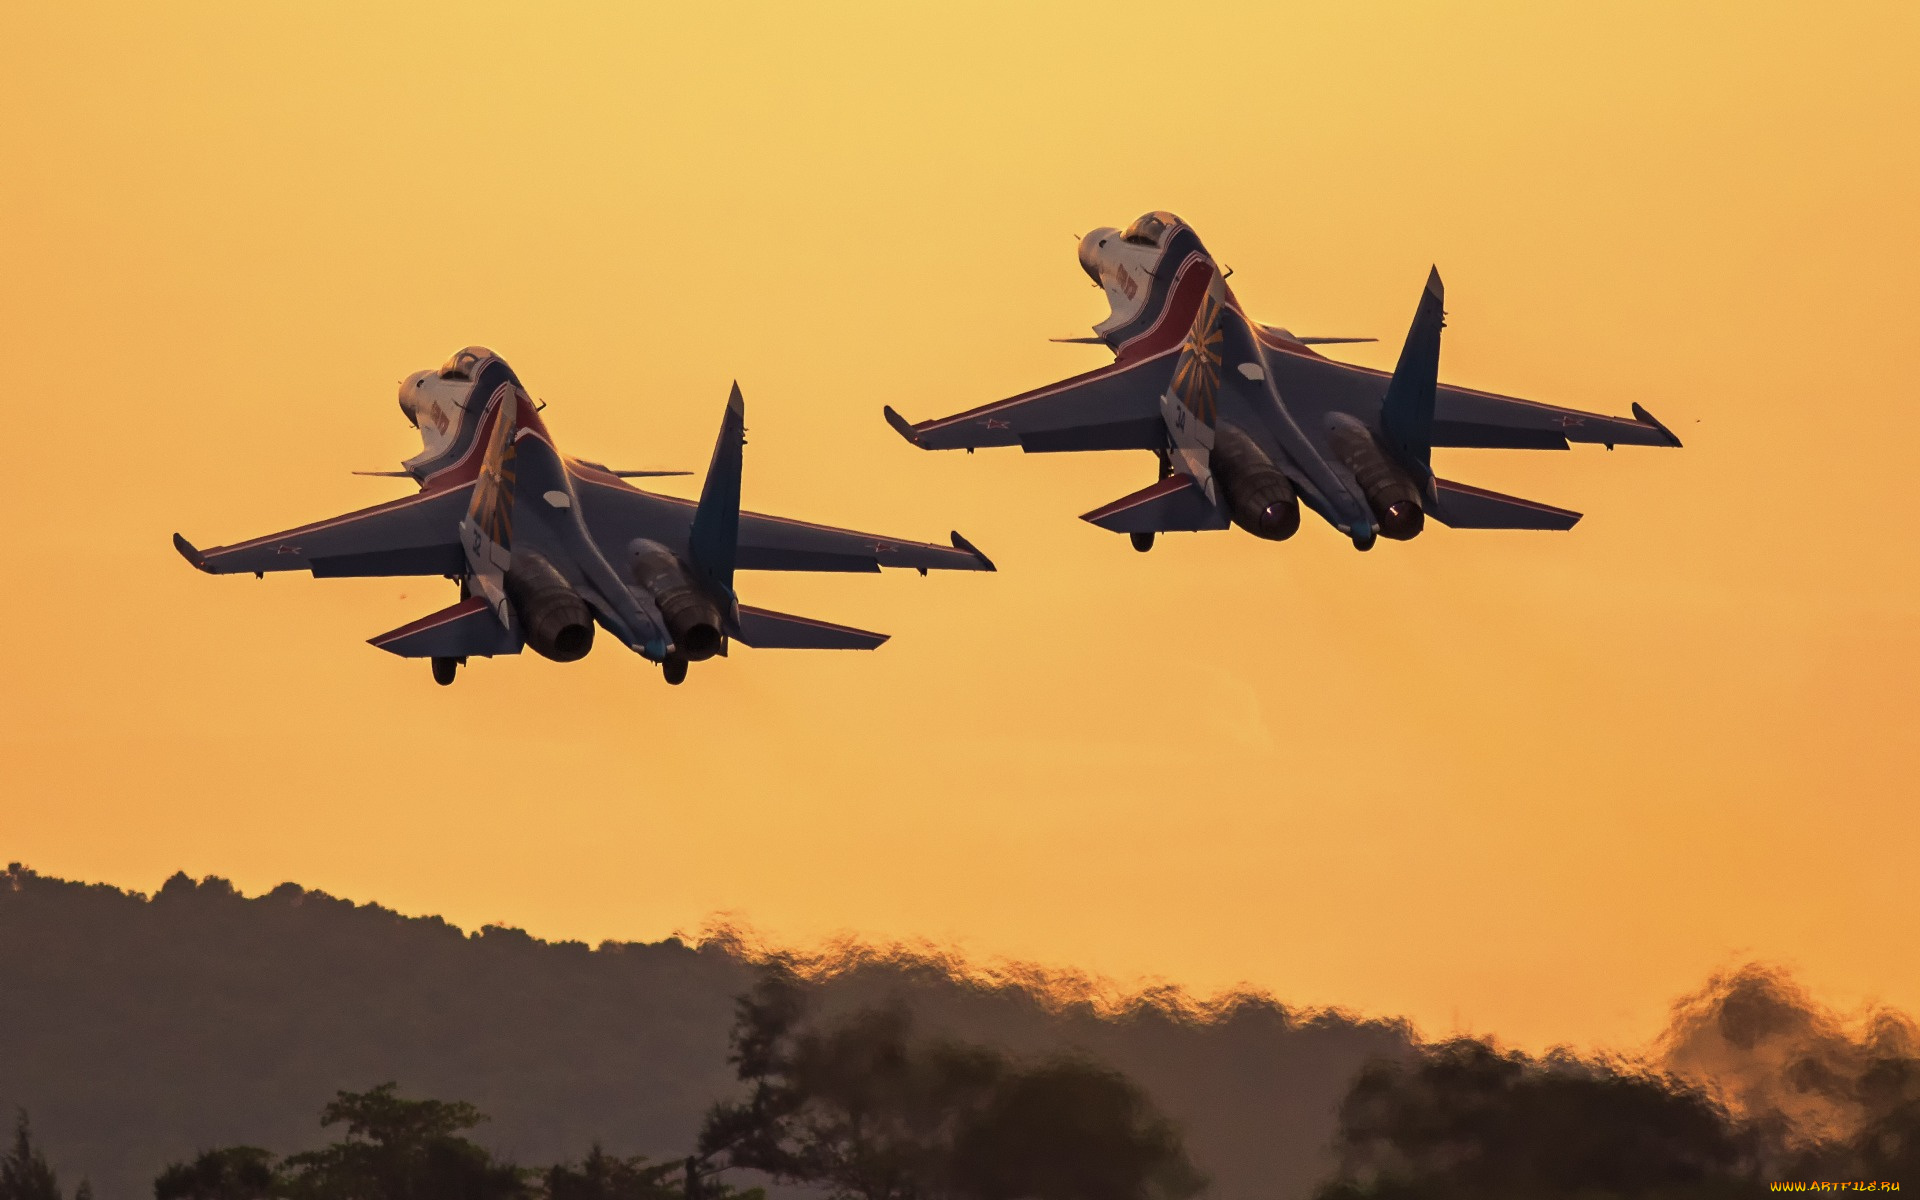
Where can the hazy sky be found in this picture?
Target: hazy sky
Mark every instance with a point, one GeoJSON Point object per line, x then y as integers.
{"type": "Point", "coordinates": [1532, 783]}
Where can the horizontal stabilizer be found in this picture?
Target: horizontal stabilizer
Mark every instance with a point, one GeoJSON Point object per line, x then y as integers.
{"type": "Point", "coordinates": [1462, 507]}
{"type": "Point", "coordinates": [466, 630]}
{"type": "Point", "coordinates": [1174, 504]}
{"type": "Point", "coordinates": [764, 630]}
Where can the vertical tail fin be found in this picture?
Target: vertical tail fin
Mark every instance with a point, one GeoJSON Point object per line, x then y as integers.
{"type": "Point", "coordinates": [714, 541]}
{"type": "Point", "coordinates": [1406, 415]}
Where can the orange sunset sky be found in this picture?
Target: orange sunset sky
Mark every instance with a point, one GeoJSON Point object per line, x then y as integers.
{"type": "Point", "coordinates": [1530, 783]}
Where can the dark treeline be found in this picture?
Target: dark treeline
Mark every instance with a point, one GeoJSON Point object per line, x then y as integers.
{"type": "Point", "coordinates": [161, 1043]}
{"type": "Point", "coordinates": [390, 1148]}
{"type": "Point", "coordinates": [1752, 1083]}
{"type": "Point", "coordinates": [140, 1030]}
{"type": "Point", "coordinates": [396, 1148]}
{"type": "Point", "coordinates": [25, 1173]}
{"type": "Point", "coordinates": [865, 1107]}
{"type": "Point", "coordinates": [860, 1105]}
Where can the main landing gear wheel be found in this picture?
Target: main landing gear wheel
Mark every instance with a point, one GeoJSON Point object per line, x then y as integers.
{"type": "Point", "coordinates": [444, 669]}
{"type": "Point", "coordinates": [675, 669]}
{"type": "Point", "coordinates": [1142, 541]}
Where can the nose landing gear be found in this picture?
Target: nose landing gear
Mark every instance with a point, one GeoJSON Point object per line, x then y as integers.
{"type": "Point", "coordinates": [675, 670]}
{"type": "Point", "coordinates": [1142, 541]}
{"type": "Point", "coordinates": [444, 669]}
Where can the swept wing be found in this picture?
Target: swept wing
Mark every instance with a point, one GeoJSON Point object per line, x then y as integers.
{"type": "Point", "coordinates": [418, 535]}
{"type": "Point", "coordinates": [1113, 408]}
{"type": "Point", "coordinates": [1117, 408]}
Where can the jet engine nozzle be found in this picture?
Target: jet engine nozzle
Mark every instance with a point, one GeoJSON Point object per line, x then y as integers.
{"type": "Point", "coordinates": [1391, 495]}
{"type": "Point", "coordinates": [691, 613]}
{"type": "Point", "coordinates": [1259, 498]}
{"type": "Point", "coordinates": [554, 620]}
{"type": "Point", "coordinates": [1090, 247]}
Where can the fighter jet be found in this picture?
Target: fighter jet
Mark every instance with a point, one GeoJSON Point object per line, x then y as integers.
{"type": "Point", "coordinates": [1249, 422]}
{"type": "Point", "coordinates": [547, 548]}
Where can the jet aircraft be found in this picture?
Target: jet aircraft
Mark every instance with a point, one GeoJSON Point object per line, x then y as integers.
{"type": "Point", "coordinates": [1250, 422]}
{"type": "Point", "coordinates": [546, 547]}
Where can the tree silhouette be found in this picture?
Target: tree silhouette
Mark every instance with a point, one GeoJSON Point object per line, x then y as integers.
{"type": "Point", "coordinates": [24, 1173]}
{"type": "Point", "coordinates": [398, 1149]}
{"type": "Point", "coordinates": [864, 1110]}
{"type": "Point", "coordinates": [601, 1176]}
{"type": "Point", "coordinates": [1467, 1120]}
{"type": "Point", "coordinates": [1072, 1131]}
{"type": "Point", "coordinates": [235, 1173]}
{"type": "Point", "coordinates": [394, 1149]}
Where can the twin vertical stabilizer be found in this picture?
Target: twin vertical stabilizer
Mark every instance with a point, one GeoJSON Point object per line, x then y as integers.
{"type": "Point", "coordinates": [715, 538]}
{"type": "Point", "coordinates": [1406, 415]}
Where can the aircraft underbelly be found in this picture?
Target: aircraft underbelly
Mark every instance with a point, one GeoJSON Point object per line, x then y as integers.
{"type": "Point", "coordinates": [620, 606]}
{"type": "Point", "coordinates": [1324, 486]}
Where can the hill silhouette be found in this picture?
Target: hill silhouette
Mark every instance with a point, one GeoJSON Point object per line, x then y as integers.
{"type": "Point", "coordinates": [138, 1030]}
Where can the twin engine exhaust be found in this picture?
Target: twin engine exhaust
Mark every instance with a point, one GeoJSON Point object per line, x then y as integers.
{"type": "Point", "coordinates": [1261, 500]}
{"type": "Point", "coordinates": [557, 624]}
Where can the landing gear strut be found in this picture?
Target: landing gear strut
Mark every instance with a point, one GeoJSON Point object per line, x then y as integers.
{"type": "Point", "coordinates": [675, 669]}
{"type": "Point", "coordinates": [444, 670]}
{"type": "Point", "coordinates": [1142, 540]}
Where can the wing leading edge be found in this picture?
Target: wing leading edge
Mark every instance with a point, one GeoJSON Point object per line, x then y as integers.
{"type": "Point", "coordinates": [414, 536]}
{"type": "Point", "coordinates": [1114, 408]}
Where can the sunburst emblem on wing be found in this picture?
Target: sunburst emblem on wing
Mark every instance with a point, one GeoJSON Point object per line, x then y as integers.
{"type": "Point", "coordinates": [492, 508]}
{"type": "Point", "coordinates": [1196, 379]}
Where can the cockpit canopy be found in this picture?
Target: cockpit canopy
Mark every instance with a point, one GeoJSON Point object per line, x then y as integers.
{"type": "Point", "coordinates": [1150, 229]}
{"type": "Point", "coordinates": [464, 362]}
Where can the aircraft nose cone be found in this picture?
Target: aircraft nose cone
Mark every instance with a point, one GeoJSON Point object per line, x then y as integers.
{"type": "Point", "coordinates": [1090, 250]}
{"type": "Point", "coordinates": [410, 397]}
